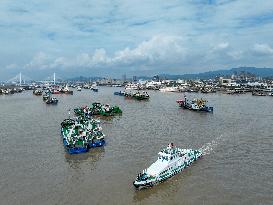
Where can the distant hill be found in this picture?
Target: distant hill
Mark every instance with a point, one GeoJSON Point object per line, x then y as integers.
{"type": "Point", "coordinates": [259, 72]}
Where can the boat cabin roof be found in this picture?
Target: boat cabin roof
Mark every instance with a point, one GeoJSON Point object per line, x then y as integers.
{"type": "Point", "coordinates": [168, 151]}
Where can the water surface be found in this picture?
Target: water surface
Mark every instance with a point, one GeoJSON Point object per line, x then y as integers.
{"type": "Point", "coordinates": [237, 139]}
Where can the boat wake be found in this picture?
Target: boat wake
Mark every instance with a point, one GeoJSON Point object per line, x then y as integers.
{"type": "Point", "coordinates": [209, 147]}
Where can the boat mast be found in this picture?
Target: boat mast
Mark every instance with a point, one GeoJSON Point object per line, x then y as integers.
{"type": "Point", "coordinates": [20, 78]}
{"type": "Point", "coordinates": [54, 78]}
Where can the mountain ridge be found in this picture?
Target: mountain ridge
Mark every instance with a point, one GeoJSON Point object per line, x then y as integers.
{"type": "Point", "coordinates": [259, 72]}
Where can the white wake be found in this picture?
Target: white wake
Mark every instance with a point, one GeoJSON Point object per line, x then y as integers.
{"type": "Point", "coordinates": [210, 146]}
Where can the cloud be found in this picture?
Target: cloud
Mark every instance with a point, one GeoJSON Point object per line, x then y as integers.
{"type": "Point", "coordinates": [159, 49]}
{"type": "Point", "coordinates": [170, 36]}
{"type": "Point", "coordinates": [222, 46]}
{"type": "Point", "coordinates": [153, 55]}
{"type": "Point", "coordinates": [263, 49]}
{"type": "Point", "coordinates": [39, 61]}
{"type": "Point", "coordinates": [11, 66]}
{"type": "Point", "coordinates": [236, 55]}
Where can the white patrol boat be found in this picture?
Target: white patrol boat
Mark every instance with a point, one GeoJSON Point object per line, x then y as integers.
{"type": "Point", "coordinates": [171, 161]}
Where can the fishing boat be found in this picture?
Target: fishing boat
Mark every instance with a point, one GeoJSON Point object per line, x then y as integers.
{"type": "Point", "coordinates": [131, 86]}
{"type": "Point", "coordinates": [97, 109]}
{"type": "Point", "coordinates": [259, 93]}
{"type": "Point", "coordinates": [86, 86]}
{"type": "Point", "coordinates": [52, 100]}
{"type": "Point", "coordinates": [208, 90]}
{"type": "Point", "coordinates": [81, 134]}
{"type": "Point", "coordinates": [46, 97]}
{"type": "Point", "coordinates": [37, 92]}
{"type": "Point", "coordinates": [171, 161]}
{"type": "Point", "coordinates": [66, 90]}
{"type": "Point", "coordinates": [79, 88]}
{"type": "Point", "coordinates": [128, 95]}
{"type": "Point", "coordinates": [169, 89]}
{"type": "Point", "coordinates": [195, 105]}
{"type": "Point", "coordinates": [94, 87]}
{"type": "Point", "coordinates": [120, 93]}
{"type": "Point", "coordinates": [105, 109]}
{"type": "Point", "coordinates": [141, 96]}
{"type": "Point", "coordinates": [97, 137]}
{"type": "Point", "coordinates": [55, 91]}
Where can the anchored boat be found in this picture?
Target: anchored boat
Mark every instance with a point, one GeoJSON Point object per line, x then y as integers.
{"type": "Point", "coordinates": [66, 90]}
{"type": "Point", "coordinates": [169, 89]}
{"type": "Point", "coordinates": [132, 86]}
{"type": "Point", "coordinates": [141, 96]}
{"type": "Point", "coordinates": [97, 109]}
{"type": "Point", "coordinates": [120, 93]}
{"type": "Point", "coordinates": [51, 100]}
{"type": "Point", "coordinates": [46, 97]}
{"type": "Point", "coordinates": [259, 93]}
{"type": "Point", "coordinates": [81, 134]}
{"type": "Point", "coordinates": [137, 95]}
{"type": "Point", "coordinates": [94, 87]}
{"type": "Point", "coordinates": [171, 161]}
{"type": "Point", "coordinates": [79, 88]}
{"type": "Point", "coordinates": [196, 104]}
{"type": "Point", "coordinates": [37, 92]}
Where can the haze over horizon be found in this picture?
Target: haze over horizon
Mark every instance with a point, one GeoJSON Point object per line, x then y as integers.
{"type": "Point", "coordinates": [110, 38]}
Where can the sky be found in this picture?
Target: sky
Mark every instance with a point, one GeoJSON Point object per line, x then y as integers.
{"type": "Point", "coordinates": [134, 37]}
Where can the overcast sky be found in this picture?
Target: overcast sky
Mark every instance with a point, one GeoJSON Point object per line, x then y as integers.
{"type": "Point", "coordinates": [136, 37]}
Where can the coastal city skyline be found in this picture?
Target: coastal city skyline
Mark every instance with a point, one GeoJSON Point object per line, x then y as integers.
{"type": "Point", "coordinates": [112, 38]}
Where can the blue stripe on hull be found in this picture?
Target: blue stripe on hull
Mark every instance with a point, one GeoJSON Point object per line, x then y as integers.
{"type": "Point", "coordinates": [77, 150]}
{"type": "Point", "coordinates": [96, 144]}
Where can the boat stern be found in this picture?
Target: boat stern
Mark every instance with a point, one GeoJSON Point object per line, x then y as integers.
{"type": "Point", "coordinates": [198, 153]}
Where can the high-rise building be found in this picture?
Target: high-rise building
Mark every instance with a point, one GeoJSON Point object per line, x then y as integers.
{"type": "Point", "coordinates": [124, 77]}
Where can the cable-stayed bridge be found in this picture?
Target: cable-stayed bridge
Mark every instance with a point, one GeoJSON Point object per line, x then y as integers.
{"type": "Point", "coordinates": [52, 78]}
{"type": "Point", "coordinates": [22, 79]}
{"type": "Point", "coordinates": [19, 79]}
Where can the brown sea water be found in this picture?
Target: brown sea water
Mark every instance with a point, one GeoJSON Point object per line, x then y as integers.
{"type": "Point", "coordinates": [237, 140]}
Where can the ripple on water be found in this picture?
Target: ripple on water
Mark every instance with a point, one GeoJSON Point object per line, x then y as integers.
{"type": "Point", "coordinates": [236, 140]}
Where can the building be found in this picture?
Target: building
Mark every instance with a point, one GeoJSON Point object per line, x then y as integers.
{"type": "Point", "coordinates": [224, 81]}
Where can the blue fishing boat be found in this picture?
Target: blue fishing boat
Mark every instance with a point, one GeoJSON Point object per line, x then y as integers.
{"type": "Point", "coordinates": [81, 134]}
{"type": "Point", "coordinates": [120, 93]}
